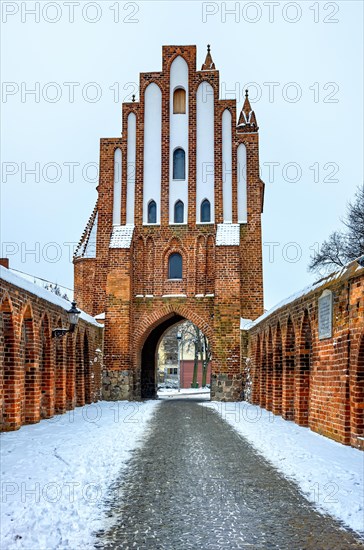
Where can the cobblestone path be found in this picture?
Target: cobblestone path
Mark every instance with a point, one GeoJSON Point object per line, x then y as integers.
{"type": "Point", "coordinates": [196, 484]}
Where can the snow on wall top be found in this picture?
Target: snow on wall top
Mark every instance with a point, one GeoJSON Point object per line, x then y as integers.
{"type": "Point", "coordinates": [16, 280]}
{"type": "Point", "coordinates": [100, 316]}
{"type": "Point", "coordinates": [86, 248]}
{"type": "Point", "coordinates": [90, 248]}
{"type": "Point", "coordinates": [245, 324]}
{"type": "Point", "coordinates": [349, 270]}
{"type": "Point", "coordinates": [121, 236]}
{"type": "Point", "coordinates": [228, 234]}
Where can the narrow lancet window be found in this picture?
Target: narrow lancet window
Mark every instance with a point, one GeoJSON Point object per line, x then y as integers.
{"type": "Point", "coordinates": [205, 211]}
{"type": "Point", "coordinates": [179, 102]}
{"type": "Point", "coordinates": [152, 212]}
{"type": "Point", "coordinates": [178, 212]}
{"type": "Point", "coordinates": [179, 164]}
{"type": "Point", "coordinates": [175, 266]}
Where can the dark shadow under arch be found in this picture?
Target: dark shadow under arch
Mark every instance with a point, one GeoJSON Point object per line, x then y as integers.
{"type": "Point", "coordinates": [357, 396]}
{"type": "Point", "coordinates": [289, 373]}
{"type": "Point", "coordinates": [46, 372]}
{"type": "Point", "coordinates": [303, 374]}
{"type": "Point", "coordinates": [148, 382]}
{"type": "Point", "coordinates": [87, 369]}
{"type": "Point", "coordinates": [30, 381]}
{"type": "Point", "coordinates": [263, 373]}
{"type": "Point", "coordinates": [9, 418]}
{"type": "Point", "coordinates": [257, 373]}
{"type": "Point", "coordinates": [79, 372]}
{"type": "Point", "coordinates": [278, 371]}
{"type": "Point", "coordinates": [269, 372]}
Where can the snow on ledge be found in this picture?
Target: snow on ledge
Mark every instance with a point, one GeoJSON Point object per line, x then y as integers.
{"type": "Point", "coordinates": [121, 236]}
{"type": "Point", "coordinates": [245, 324]}
{"type": "Point", "coordinates": [228, 234]}
{"type": "Point", "coordinates": [100, 316]}
{"type": "Point", "coordinates": [16, 280]}
{"type": "Point", "coordinates": [174, 296]}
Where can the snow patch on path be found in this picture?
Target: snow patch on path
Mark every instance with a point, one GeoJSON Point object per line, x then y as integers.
{"type": "Point", "coordinates": [329, 475]}
{"type": "Point", "coordinates": [184, 393]}
{"type": "Point", "coordinates": [56, 475]}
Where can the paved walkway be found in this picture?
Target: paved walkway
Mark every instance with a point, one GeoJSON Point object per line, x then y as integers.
{"type": "Point", "coordinates": [196, 484]}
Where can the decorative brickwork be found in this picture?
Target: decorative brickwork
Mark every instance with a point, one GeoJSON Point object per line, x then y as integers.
{"type": "Point", "coordinates": [40, 375]}
{"type": "Point", "coordinates": [314, 382]}
{"type": "Point", "coordinates": [220, 282]}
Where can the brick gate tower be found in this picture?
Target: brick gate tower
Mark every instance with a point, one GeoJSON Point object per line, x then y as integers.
{"type": "Point", "coordinates": [176, 231]}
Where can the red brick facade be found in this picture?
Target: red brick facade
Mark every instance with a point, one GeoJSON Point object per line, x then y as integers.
{"type": "Point", "coordinates": [220, 283]}
{"type": "Point", "coordinates": [314, 382]}
{"type": "Point", "coordinates": [41, 376]}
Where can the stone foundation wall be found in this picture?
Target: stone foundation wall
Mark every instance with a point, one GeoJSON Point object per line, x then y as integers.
{"type": "Point", "coordinates": [225, 387]}
{"type": "Point", "coordinates": [117, 385]}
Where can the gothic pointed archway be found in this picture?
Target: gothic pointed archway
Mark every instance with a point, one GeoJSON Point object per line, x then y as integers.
{"type": "Point", "coordinates": [303, 374]}
{"type": "Point", "coordinates": [30, 413]}
{"type": "Point", "coordinates": [46, 370]}
{"type": "Point", "coordinates": [10, 375]}
{"type": "Point", "coordinates": [147, 343]}
{"type": "Point", "coordinates": [357, 397]}
{"type": "Point", "coordinates": [289, 370]}
{"type": "Point", "coordinates": [148, 381]}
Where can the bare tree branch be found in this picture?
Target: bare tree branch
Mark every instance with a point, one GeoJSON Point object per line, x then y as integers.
{"type": "Point", "coordinates": [343, 246]}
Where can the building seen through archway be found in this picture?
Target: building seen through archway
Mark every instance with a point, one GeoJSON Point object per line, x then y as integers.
{"type": "Point", "coordinates": [184, 357]}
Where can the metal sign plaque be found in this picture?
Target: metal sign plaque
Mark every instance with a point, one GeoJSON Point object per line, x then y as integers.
{"type": "Point", "coordinates": [325, 315]}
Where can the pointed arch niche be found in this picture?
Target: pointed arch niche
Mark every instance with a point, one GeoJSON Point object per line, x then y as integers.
{"type": "Point", "coordinates": [116, 211]}
{"type": "Point", "coordinates": [242, 184]}
{"type": "Point", "coordinates": [152, 170]}
{"type": "Point", "coordinates": [178, 136]}
{"type": "Point", "coordinates": [227, 190]}
{"type": "Point", "coordinates": [205, 144]}
{"type": "Point", "coordinates": [131, 168]}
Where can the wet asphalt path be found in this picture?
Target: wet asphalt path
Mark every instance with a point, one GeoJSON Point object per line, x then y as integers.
{"type": "Point", "coordinates": [196, 484]}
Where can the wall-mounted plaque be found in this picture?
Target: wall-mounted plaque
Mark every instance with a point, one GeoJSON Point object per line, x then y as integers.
{"type": "Point", "coordinates": [325, 315]}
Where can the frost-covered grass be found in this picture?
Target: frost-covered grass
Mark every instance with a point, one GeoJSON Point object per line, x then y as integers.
{"type": "Point", "coordinates": [55, 475]}
{"type": "Point", "coordinates": [329, 474]}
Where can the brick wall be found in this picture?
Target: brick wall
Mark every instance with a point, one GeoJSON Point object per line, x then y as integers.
{"type": "Point", "coordinates": [315, 382]}
{"type": "Point", "coordinates": [41, 376]}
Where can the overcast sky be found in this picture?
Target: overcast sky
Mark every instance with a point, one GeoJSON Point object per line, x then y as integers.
{"type": "Point", "coordinates": [303, 62]}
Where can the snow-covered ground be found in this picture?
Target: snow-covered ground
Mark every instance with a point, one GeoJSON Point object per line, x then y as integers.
{"type": "Point", "coordinates": [329, 474]}
{"type": "Point", "coordinates": [185, 393]}
{"type": "Point", "coordinates": [55, 475]}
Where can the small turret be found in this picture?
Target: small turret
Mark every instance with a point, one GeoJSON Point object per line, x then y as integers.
{"type": "Point", "coordinates": [209, 65]}
{"type": "Point", "coordinates": [247, 120]}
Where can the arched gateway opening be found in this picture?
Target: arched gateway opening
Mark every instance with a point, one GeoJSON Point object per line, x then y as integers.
{"type": "Point", "coordinates": [168, 362]}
